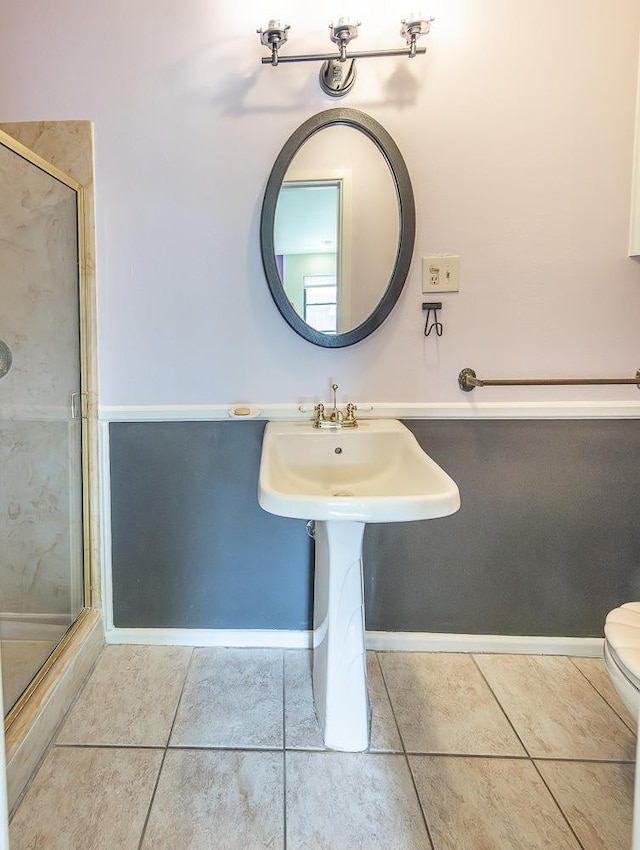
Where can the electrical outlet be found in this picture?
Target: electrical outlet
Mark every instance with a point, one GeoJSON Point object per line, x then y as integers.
{"type": "Point", "coordinates": [441, 273]}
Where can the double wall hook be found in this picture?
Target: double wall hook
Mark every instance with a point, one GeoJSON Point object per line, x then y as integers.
{"type": "Point", "coordinates": [432, 307]}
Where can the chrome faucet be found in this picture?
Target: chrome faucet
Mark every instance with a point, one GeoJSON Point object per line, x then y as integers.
{"type": "Point", "coordinates": [336, 419]}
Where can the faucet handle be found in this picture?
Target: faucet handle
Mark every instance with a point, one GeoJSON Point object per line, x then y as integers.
{"type": "Point", "coordinates": [319, 411]}
{"type": "Point", "coordinates": [351, 408]}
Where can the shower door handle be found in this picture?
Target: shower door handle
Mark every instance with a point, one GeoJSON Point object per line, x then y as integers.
{"type": "Point", "coordinates": [78, 405]}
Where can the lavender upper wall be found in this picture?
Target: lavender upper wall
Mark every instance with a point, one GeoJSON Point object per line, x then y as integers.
{"type": "Point", "coordinates": [517, 129]}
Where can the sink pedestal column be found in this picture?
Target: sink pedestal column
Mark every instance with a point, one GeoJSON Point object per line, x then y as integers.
{"type": "Point", "coordinates": [339, 659]}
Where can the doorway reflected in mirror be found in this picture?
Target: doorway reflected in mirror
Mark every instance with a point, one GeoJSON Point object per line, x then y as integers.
{"type": "Point", "coordinates": [338, 203]}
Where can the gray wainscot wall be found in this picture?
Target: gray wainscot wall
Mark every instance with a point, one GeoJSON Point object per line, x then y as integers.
{"type": "Point", "coordinates": [546, 542]}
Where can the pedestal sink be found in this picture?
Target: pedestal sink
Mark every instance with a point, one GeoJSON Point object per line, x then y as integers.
{"type": "Point", "coordinates": [342, 479]}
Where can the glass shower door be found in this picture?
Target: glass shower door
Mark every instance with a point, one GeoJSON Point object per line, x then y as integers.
{"type": "Point", "coordinates": [41, 472]}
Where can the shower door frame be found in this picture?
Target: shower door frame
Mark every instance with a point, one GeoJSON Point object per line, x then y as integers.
{"type": "Point", "coordinates": [87, 412]}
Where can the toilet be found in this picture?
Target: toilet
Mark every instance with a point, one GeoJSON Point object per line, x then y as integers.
{"type": "Point", "coordinates": [622, 660]}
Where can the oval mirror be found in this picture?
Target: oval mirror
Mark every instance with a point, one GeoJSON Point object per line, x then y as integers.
{"type": "Point", "coordinates": [337, 227]}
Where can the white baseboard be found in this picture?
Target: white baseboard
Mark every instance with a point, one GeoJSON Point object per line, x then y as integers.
{"type": "Point", "coordinates": [257, 638]}
{"type": "Point", "coordinates": [508, 644]}
{"type": "Point", "coordinates": [381, 641]}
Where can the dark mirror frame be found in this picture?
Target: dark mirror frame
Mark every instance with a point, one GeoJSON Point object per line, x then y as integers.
{"type": "Point", "coordinates": [407, 223]}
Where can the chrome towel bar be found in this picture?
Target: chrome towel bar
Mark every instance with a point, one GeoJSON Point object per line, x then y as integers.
{"type": "Point", "coordinates": [468, 381]}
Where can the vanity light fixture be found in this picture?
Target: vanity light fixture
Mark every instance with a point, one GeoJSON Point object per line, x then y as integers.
{"type": "Point", "coordinates": [338, 73]}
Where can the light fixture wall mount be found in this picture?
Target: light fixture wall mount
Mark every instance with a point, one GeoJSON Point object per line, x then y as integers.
{"type": "Point", "coordinates": [338, 72]}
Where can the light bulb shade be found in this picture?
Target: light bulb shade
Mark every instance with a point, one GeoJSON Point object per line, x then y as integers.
{"type": "Point", "coordinates": [413, 27]}
{"type": "Point", "coordinates": [274, 35]}
{"type": "Point", "coordinates": [344, 31]}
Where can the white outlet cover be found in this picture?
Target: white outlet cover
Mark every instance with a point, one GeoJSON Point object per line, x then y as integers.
{"type": "Point", "coordinates": [441, 273]}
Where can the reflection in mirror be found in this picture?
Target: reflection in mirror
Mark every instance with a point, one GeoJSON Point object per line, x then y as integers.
{"type": "Point", "coordinates": [337, 215]}
{"type": "Point", "coordinates": [337, 227]}
{"type": "Point", "coordinates": [307, 233]}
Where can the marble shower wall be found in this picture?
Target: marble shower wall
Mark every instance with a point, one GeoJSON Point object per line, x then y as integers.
{"type": "Point", "coordinates": [40, 500]}
{"type": "Point", "coordinates": [69, 146]}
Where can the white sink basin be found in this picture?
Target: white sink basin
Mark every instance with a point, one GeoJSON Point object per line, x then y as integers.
{"type": "Point", "coordinates": [344, 478]}
{"type": "Point", "coordinates": [376, 472]}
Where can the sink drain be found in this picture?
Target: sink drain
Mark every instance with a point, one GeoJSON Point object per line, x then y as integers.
{"type": "Point", "coordinates": [343, 493]}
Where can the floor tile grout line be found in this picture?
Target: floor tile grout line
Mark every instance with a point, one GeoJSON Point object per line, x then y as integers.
{"type": "Point", "coordinates": [96, 746]}
{"type": "Point", "coordinates": [502, 708]}
{"type": "Point", "coordinates": [404, 753]}
{"type": "Point", "coordinates": [561, 758]}
{"type": "Point", "coordinates": [284, 751]}
{"type": "Point", "coordinates": [560, 809]}
{"type": "Point", "coordinates": [151, 801]}
{"type": "Point", "coordinates": [166, 748]}
{"type": "Point", "coordinates": [175, 748]}
{"type": "Point", "coordinates": [393, 711]}
{"type": "Point", "coordinates": [434, 753]}
{"type": "Point", "coordinates": [180, 696]}
{"type": "Point", "coordinates": [423, 810]}
{"type": "Point", "coordinates": [526, 749]}
{"type": "Point", "coordinates": [284, 701]}
{"type": "Point", "coordinates": [582, 760]}
{"type": "Point", "coordinates": [461, 755]}
{"type": "Point", "coordinates": [632, 729]}
{"type": "Point", "coordinates": [284, 800]}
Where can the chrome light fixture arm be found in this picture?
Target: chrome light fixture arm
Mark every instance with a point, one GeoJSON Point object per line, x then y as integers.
{"type": "Point", "coordinates": [357, 54]}
{"type": "Point", "coordinates": [337, 74]}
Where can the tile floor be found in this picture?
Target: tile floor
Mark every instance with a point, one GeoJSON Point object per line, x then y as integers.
{"type": "Point", "coordinates": [173, 748]}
